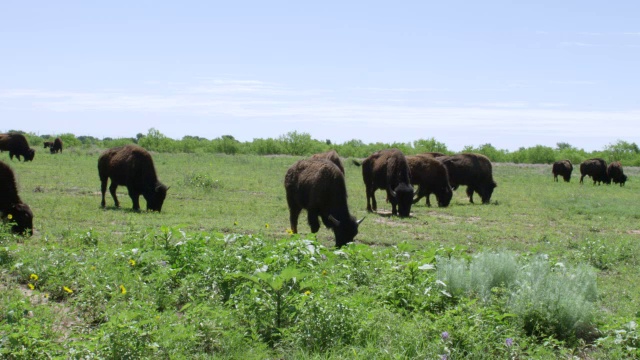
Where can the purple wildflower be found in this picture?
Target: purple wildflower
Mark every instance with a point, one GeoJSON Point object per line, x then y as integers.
{"type": "Point", "coordinates": [444, 335]}
{"type": "Point", "coordinates": [509, 341]}
{"type": "Point", "coordinates": [444, 357]}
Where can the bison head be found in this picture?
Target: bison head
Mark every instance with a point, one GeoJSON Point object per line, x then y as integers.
{"type": "Point", "coordinates": [487, 191]}
{"type": "Point", "coordinates": [444, 196]}
{"type": "Point", "coordinates": [29, 155]}
{"type": "Point", "coordinates": [156, 198]}
{"type": "Point", "coordinates": [403, 196]}
{"type": "Point", "coordinates": [345, 230]}
{"type": "Point", "coordinates": [21, 217]}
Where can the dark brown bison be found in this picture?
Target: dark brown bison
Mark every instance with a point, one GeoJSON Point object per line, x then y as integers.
{"type": "Point", "coordinates": [433, 154]}
{"type": "Point", "coordinates": [388, 169]}
{"type": "Point", "coordinates": [318, 186]}
{"type": "Point", "coordinates": [473, 170]}
{"type": "Point", "coordinates": [131, 166]}
{"type": "Point", "coordinates": [431, 177]}
{"type": "Point", "coordinates": [562, 168]}
{"type": "Point", "coordinates": [332, 156]}
{"type": "Point", "coordinates": [597, 169]}
{"type": "Point", "coordinates": [12, 209]}
{"type": "Point", "coordinates": [16, 144]}
{"type": "Point", "coordinates": [614, 170]}
{"type": "Point", "coordinates": [54, 146]}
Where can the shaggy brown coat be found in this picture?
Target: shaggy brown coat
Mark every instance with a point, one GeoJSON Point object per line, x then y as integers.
{"type": "Point", "coordinates": [332, 156]}
{"type": "Point", "coordinates": [615, 172]}
{"type": "Point", "coordinates": [388, 169]}
{"type": "Point", "coordinates": [54, 146]}
{"type": "Point", "coordinates": [597, 169]}
{"type": "Point", "coordinates": [473, 170]}
{"type": "Point", "coordinates": [432, 177]}
{"type": "Point", "coordinates": [131, 166]}
{"type": "Point", "coordinates": [318, 186]}
{"type": "Point", "coordinates": [16, 144]}
{"type": "Point", "coordinates": [562, 168]}
{"type": "Point", "coordinates": [12, 209]}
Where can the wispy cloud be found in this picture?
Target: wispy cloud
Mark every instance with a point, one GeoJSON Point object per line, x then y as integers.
{"type": "Point", "coordinates": [576, 44]}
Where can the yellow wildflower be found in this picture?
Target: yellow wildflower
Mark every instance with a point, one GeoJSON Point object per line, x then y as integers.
{"type": "Point", "coordinates": [132, 262]}
{"type": "Point", "coordinates": [31, 286]}
{"type": "Point", "coordinates": [235, 223]}
{"type": "Point", "coordinates": [307, 293]}
{"type": "Point", "coordinates": [324, 272]}
{"type": "Point", "coordinates": [123, 290]}
{"type": "Point", "coordinates": [9, 216]}
{"type": "Point", "coordinates": [93, 267]}
{"type": "Point", "coordinates": [266, 225]}
{"type": "Point", "coordinates": [289, 231]}
{"type": "Point", "coordinates": [33, 277]}
{"type": "Point", "coordinates": [67, 290]}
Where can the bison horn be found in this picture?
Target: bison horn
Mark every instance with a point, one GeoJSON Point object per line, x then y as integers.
{"type": "Point", "coordinates": [334, 220]}
{"type": "Point", "coordinates": [360, 221]}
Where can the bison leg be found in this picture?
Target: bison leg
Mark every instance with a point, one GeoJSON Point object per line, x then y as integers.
{"type": "Point", "coordinates": [581, 177]}
{"type": "Point", "coordinates": [470, 191]}
{"type": "Point", "coordinates": [135, 198]}
{"type": "Point", "coordinates": [294, 213]}
{"type": "Point", "coordinates": [372, 205]}
{"type": "Point", "coordinates": [103, 189]}
{"type": "Point", "coordinates": [112, 190]}
{"type": "Point", "coordinates": [312, 218]}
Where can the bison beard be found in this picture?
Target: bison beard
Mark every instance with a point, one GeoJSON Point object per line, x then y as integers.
{"type": "Point", "coordinates": [12, 209]}
{"type": "Point", "coordinates": [318, 186]}
{"type": "Point", "coordinates": [131, 166]}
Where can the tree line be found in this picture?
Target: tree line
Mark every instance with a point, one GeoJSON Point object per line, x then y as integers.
{"type": "Point", "coordinates": [302, 144]}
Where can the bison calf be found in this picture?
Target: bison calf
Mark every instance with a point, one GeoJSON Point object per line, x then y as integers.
{"type": "Point", "coordinates": [16, 144]}
{"type": "Point", "coordinates": [614, 170]}
{"type": "Point", "coordinates": [562, 168]}
{"type": "Point", "coordinates": [432, 177]}
{"type": "Point", "coordinates": [318, 186]}
{"type": "Point", "coordinates": [597, 169]}
{"type": "Point", "coordinates": [473, 170]}
{"type": "Point", "coordinates": [131, 166]}
{"type": "Point", "coordinates": [12, 209]}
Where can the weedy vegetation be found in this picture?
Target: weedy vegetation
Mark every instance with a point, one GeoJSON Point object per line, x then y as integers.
{"type": "Point", "coordinates": [546, 270]}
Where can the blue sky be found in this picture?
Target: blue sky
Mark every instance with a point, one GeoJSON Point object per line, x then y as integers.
{"type": "Point", "coordinates": [464, 72]}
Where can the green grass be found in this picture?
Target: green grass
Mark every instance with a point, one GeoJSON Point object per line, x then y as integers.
{"type": "Point", "coordinates": [79, 245]}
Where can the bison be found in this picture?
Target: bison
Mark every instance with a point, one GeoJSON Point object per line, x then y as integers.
{"type": "Point", "coordinates": [17, 146]}
{"type": "Point", "coordinates": [332, 156]}
{"type": "Point", "coordinates": [614, 170]}
{"type": "Point", "coordinates": [597, 169]}
{"type": "Point", "coordinates": [318, 186]}
{"type": "Point", "coordinates": [473, 170]}
{"type": "Point", "coordinates": [12, 209]}
{"type": "Point", "coordinates": [388, 169]}
{"type": "Point", "coordinates": [54, 146]}
{"type": "Point", "coordinates": [131, 166]}
{"type": "Point", "coordinates": [562, 168]}
{"type": "Point", "coordinates": [432, 177]}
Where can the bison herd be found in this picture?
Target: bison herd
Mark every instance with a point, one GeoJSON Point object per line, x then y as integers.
{"type": "Point", "coordinates": [316, 184]}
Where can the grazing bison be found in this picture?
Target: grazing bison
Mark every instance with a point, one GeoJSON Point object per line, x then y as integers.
{"type": "Point", "coordinates": [473, 170]}
{"type": "Point", "coordinates": [562, 168]}
{"type": "Point", "coordinates": [432, 154]}
{"type": "Point", "coordinates": [388, 169]}
{"type": "Point", "coordinates": [318, 186]}
{"type": "Point", "coordinates": [616, 174]}
{"type": "Point", "coordinates": [332, 156]}
{"type": "Point", "coordinates": [432, 177]}
{"type": "Point", "coordinates": [597, 169]}
{"type": "Point", "coordinates": [17, 146]}
{"type": "Point", "coordinates": [131, 166]}
{"type": "Point", "coordinates": [54, 146]}
{"type": "Point", "coordinates": [12, 209]}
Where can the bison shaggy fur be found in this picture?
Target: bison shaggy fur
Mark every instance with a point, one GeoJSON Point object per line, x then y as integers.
{"type": "Point", "coordinates": [597, 169]}
{"type": "Point", "coordinates": [131, 166]}
{"type": "Point", "coordinates": [332, 156]}
{"type": "Point", "coordinates": [318, 186]}
{"type": "Point", "coordinates": [16, 144]}
{"type": "Point", "coordinates": [431, 177]}
{"type": "Point", "coordinates": [12, 209]}
{"type": "Point", "coordinates": [473, 170]}
{"type": "Point", "coordinates": [562, 168]}
{"type": "Point", "coordinates": [389, 170]}
{"type": "Point", "coordinates": [54, 146]}
{"type": "Point", "coordinates": [614, 170]}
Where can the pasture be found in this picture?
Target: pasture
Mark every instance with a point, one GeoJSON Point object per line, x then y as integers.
{"type": "Point", "coordinates": [217, 196]}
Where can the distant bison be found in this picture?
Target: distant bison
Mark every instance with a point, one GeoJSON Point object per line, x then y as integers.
{"type": "Point", "coordinates": [131, 166]}
{"type": "Point", "coordinates": [318, 186]}
{"type": "Point", "coordinates": [562, 168]}
{"type": "Point", "coordinates": [388, 169]}
{"type": "Point", "coordinates": [54, 146]}
{"type": "Point", "coordinates": [473, 170]}
{"type": "Point", "coordinates": [432, 177]}
{"type": "Point", "coordinates": [12, 209]}
{"type": "Point", "coordinates": [332, 156]}
{"type": "Point", "coordinates": [597, 169]}
{"type": "Point", "coordinates": [614, 170]}
{"type": "Point", "coordinates": [16, 144]}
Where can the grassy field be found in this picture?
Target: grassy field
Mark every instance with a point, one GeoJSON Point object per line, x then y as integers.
{"type": "Point", "coordinates": [529, 215]}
